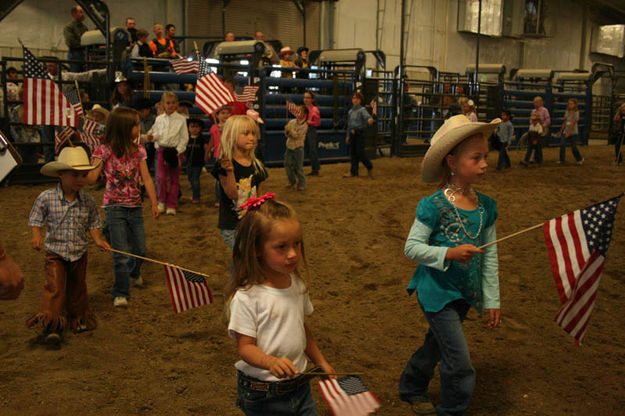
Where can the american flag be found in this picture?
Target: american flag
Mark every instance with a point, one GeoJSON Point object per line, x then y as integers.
{"type": "Point", "coordinates": [374, 106]}
{"type": "Point", "coordinates": [74, 100]}
{"type": "Point", "coordinates": [184, 66]}
{"type": "Point", "coordinates": [293, 108]}
{"type": "Point", "coordinates": [44, 103]}
{"type": "Point", "coordinates": [577, 243]}
{"type": "Point", "coordinates": [62, 137]}
{"type": "Point", "coordinates": [188, 290]}
{"type": "Point", "coordinates": [248, 94]}
{"type": "Point", "coordinates": [210, 91]}
{"type": "Point", "coordinates": [91, 133]}
{"type": "Point", "coordinates": [348, 396]}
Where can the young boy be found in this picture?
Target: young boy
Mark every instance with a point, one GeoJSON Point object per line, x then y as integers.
{"type": "Point", "coordinates": [504, 133]}
{"type": "Point", "coordinates": [221, 115]}
{"type": "Point", "coordinates": [294, 156]}
{"type": "Point", "coordinates": [68, 213]}
{"type": "Point", "coordinates": [196, 156]}
{"type": "Point", "coordinates": [146, 119]}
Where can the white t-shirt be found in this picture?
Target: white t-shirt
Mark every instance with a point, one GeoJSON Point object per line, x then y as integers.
{"type": "Point", "coordinates": [275, 317]}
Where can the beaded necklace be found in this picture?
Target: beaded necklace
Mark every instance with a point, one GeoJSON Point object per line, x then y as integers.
{"type": "Point", "coordinates": [450, 190]}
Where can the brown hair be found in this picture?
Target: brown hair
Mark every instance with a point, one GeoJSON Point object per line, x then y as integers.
{"type": "Point", "coordinates": [247, 253]}
{"type": "Point", "coordinates": [312, 95]}
{"type": "Point", "coordinates": [118, 131]}
{"type": "Point", "coordinates": [446, 176]}
{"type": "Point", "coordinates": [360, 96]}
{"type": "Point", "coordinates": [574, 100]}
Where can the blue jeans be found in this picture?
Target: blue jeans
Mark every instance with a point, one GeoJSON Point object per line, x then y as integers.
{"type": "Point", "coordinates": [294, 166]}
{"type": "Point", "coordinates": [262, 403]}
{"type": "Point", "coordinates": [538, 151]}
{"type": "Point", "coordinates": [572, 139]}
{"type": "Point", "coordinates": [311, 139]}
{"type": "Point", "coordinates": [228, 236]}
{"type": "Point", "coordinates": [193, 172]}
{"type": "Point", "coordinates": [504, 159]}
{"type": "Point", "coordinates": [127, 234]}
{"type": "Point", "coordinates": [444, 342]}
{"type": "Point", "coordinates": [357, 151]}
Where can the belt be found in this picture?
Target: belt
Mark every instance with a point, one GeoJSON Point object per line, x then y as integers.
{"type": "Point", "coordinates": [276, 387]}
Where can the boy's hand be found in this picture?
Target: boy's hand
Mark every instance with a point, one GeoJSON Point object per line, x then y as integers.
{"type": "Point", "coordinates": [37, 242]}
{"type": "Point", "coordinates": [462, 253]}
{"type": "Point", "coordinates": [494, 318]}
{"type": "Point", "coordinates": [102, 244]}
{"type": "Point", "coordinates": [282, 367]}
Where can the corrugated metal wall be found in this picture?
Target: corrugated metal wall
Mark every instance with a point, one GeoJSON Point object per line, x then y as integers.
{"type": "Point", "coordinates": [277, 19]}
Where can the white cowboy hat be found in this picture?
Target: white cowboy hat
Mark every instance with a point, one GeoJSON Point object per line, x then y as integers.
{"type": "Point", "coordinates": [97, 108]}
{"type": "Point", "coordinates": [70, 158]}
{"type": "Point", "coordinates": [449, 135]}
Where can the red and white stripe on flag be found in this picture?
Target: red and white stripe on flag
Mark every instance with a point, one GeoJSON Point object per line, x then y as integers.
{"type": "Point", "coordinates": [184, 66]}
{"type": "Point", "coordinates": [343, 404]}
{"type": "Point", "coordinates": [211, 93]}
{"type": "Point", "coordinates": [88, 134]}
{"type": "Point", "coordinates": [248, 94]}
{"type": "Point", "coordinates": [45, 104]}
{"type": "Point", "coordinates": [186, 294]}
{"type": "Point", "coordinates": [62, 137]}
{"type": "Point", "coordinates": [293, 108]}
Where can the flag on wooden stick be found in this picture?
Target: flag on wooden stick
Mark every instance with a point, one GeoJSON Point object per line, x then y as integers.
{"type": "Point", "coordinates": [188, 290]}
{"type": "Point", "coordinates": [184, 66]}
{"type": "Point", "coordinates": [248, 94]}
{"type": "Point", "coordinates": [348, 396]}
{"type": "Point", "coordinates": [62, 137]}
{"type": "Point", "coordinates": [44, 103]}
{"type": "Point", "coordinates": [293, 108]}
{"type": "Point", "coordinates": [74, 99]}
{"type": "Point", "coordinates": [210, 91]}
{"type": "Point", "coordinates": [91, 133]}
{"type": "Point", "coordinates": [577, 244]}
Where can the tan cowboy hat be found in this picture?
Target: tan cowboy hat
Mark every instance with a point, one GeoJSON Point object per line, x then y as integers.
{"type": "Point", "coordinates": [70, 158]}
{"type": "Point", "coordinates": [449, 135]}
{"type": "Point", "coordinates": [286, 50]}
{"type": "Point", "coordinates": [97, 108]}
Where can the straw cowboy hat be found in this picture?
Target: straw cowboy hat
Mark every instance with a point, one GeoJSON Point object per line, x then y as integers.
{"type": "Point", "coordinates": [70, 158]}
{"type": "Point", "coordinates": [449, 135]}
{"type": "Point", "coordinates": [286, 50]}
{"type": "Point", "coordinates": [97, 108]}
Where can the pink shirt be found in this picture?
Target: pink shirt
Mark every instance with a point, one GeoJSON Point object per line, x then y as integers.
{"type": "Point", "coordinates": [122, 176]}
{"type": "Point", "coordinates": [314, 116]}
{"type": "Point", "coordinates": [215, 132]}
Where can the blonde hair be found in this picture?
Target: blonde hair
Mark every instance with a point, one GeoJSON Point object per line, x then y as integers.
{"type": "Point", "coordinates": [251, 234]}
{"type": "Point", "coordinates": [233, 127]}
{"type": "Point", "coordinates": [574, 100]}
{"type": "Point", "coordinates": [539, 98]}
{"type": "Point", "coordinates": [169, 94]}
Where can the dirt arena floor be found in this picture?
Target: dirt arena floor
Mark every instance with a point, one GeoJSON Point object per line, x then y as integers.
{"type": "Point", "coordinates": [147, 360]}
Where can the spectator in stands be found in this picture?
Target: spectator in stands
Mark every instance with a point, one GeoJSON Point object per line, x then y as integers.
{"type": "Point", "coordinates": [160, 45]}
{"type": "Point", "coordinates": [131, 27]}
{"type": "Point", "coordinates": [270, 57]}
{"type": "Point", "coordinates": [259, 35]}
{"type": "Point", "coordinates": [142, 47]}
{"type": "Point", "coordinates": [229, 37]}
{"type": "Point", "coordinates": [170, 32]}
{"type": "Point", "coordinates": [286, 55]}
{"type": "Point", "coordinates": [122, 93]}
{"type": "Point", "coordinates": [301, 60]}
{"type": "Point", "coordinates": [72, 33]}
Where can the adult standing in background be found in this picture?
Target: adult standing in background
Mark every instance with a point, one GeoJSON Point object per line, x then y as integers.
{"type": "Point", "coordinates": [229, 37]}
{"type": "Point", "coordinates": [170, 32]}
{"type": "Point", "coordinates": [131, 27]}
{"type": "Point", "coordinates": [72, 33]}
{"type": "Point", "coordinates": [270, 56]}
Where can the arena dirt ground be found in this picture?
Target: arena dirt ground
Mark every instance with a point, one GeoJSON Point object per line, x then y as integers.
{"type": "Point", "coordinates": [147, 360]}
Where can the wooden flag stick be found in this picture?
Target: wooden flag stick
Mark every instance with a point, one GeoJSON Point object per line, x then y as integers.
{"type": "Point", "coordinates": [314, 373]}
{"type": "Point", "coordinates": [146, 78]}
{"type": "Point", "coordinates": [79, 99]}
{"type": "Point", "coordinates": [533, 227]}
{"type": "Point", "coordinates": [159, 262]}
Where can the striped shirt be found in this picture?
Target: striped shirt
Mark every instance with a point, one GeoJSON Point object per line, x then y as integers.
{"type": "Point", "coordinates": [67, 222]}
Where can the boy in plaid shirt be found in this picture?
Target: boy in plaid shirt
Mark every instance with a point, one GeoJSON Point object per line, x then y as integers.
{"type": "Point", "coordinates": [294, 156]}
{"type": "Point", "coordinates": [69, 214]}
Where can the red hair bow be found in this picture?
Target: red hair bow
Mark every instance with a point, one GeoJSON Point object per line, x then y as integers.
{"type": "Point", "coordinates": [257, 202]}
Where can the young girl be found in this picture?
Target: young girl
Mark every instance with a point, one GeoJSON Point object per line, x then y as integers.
{"type": "Point", "coordinates": [468, 108]}
{"type": "Point", "coordinates": [124, 164]}
{"type": "Point", "coordinates": [239, 172]}
{"type": "Point", "coordinates": [570, 131]}
{"type": "Point", "coordinates": [122, 92]}
{"type": "Point", "coordinates": [294, 155]}
{"type": "Point", "coordinates": [222, 114]}
{"type": "Point", "coordinates": [534, 140]}
{"type": "Point", "coordinates": [357, 120]}
{"type": "Point", "coordinates": [313, 121]}
{"type": "Point", "coordinates": [504, 134]}
{"type": "Point", "coordinates": [171, 136]}
{"type": "Point", "coordinates": [453, 273]}
{"type": "Point", "coordinates": [268, 302]}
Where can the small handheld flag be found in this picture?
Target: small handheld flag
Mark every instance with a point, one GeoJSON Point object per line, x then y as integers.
{"type": "Point", "coordinates": [184, 66]}
{"type": "Point", "coordinates": [211, 93]}
{"type": "Point", "coordinates": [348, 396]}
{"type": "Point", "coordinates": [62, 137]}
{"type": "Point", "coordinates": [248, 94]}
{"type": "Point", "coordinates": [188, 290]}
{"type": "Point", "coordinates": [293, 108]}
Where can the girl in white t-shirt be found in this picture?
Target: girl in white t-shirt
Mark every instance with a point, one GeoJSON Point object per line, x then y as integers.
{"type": "Point", "coordinates": [268, 303]}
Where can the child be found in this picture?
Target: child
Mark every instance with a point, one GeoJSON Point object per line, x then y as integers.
{"type": "Point", "coordinates": [196, 155]}
{"type": "Point", "coordinates": [170, 136]}
{"type": "Point", "coordinates": [357, 120]}
{"type": "Point", "coordinates": [314, 121]}
{"type": "Point", "coordinates": [294, 156]}
{"type": "Point", "coordinates": [505, 131]}
{"type": "Point", "coordinates": [569, 130]}
{"type": "Point", "coordinates": [468, 108]}
{"type": "Point", "coordinates": [146, 118]}
{"type": "Point", "coordinates": [453, 274]}
{"type": "Point", "coordinates": [221, 115]}
{"type": "Point", "coordinates": [124, 164]}
{"type": "Point", "coordinates": [534, 140]}
{"type": "Point", "coordinates": [239, 172]}
{"type": "Point", "coordinates": [268, 302]}
{"type": "Point", "coordinates": [68, 213]}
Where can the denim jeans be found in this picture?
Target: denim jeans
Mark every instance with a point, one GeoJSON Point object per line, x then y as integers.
{"type": "Point", "coordinates": [311, 139]}
{"type": "Point", "coordinates": [538, 152]}
{"type": "Point", "coordinates": [228, 236]}
{"type": "Point", "coordinates": [262, 403]}
{"type": "Point", "coordinates": [444, 342]}
{"type": "Point", "coordinates": [127, 234]}
{"type": "Point", "coordinates": [294, 166]}
{"type": "Point", "coordinates": [504, 159]}
{"type": "Point", "coordinates": [572, 139]}
{"type": "Point", "coordinates": [357, 151]}
{"type": "Point", "coordinates": [193, 172]}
